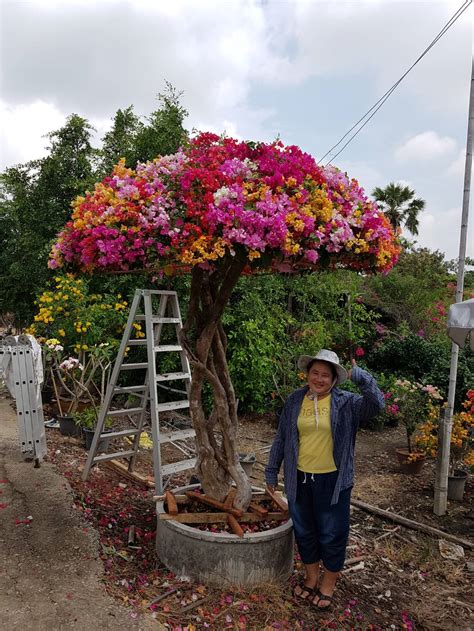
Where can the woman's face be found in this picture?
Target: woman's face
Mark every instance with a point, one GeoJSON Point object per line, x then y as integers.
{"type": "Point", "coordinates": [320, 378]}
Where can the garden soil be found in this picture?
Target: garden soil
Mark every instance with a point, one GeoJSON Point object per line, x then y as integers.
{"type": "Point", "coordinates": [50, 573]}
{"type": "Point", "coordinates": [72, 568]}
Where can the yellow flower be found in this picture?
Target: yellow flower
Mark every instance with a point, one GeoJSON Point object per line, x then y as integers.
{"type": "Point", "coordinates": [62, 332]}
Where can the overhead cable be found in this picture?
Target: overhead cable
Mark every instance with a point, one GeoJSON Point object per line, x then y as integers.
{"type": "Point", "coordinates": [375, 108]}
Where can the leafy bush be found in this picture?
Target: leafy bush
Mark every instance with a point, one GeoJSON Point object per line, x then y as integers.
{"type": "Point", "coordinates": [418, 359]}
{"type": "Point", "coordinates": [87, 419]}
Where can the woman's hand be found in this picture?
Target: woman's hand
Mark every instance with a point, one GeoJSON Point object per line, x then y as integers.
{"type": "Point", "coordinates": [270, 488]}
{"type": "Point", "coordinates": [354, 364]}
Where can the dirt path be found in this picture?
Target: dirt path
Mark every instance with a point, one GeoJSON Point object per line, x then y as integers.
{"type": "Point", "coordinates": [50, 575]}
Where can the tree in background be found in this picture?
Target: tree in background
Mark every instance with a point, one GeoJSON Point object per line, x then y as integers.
{"type": "Point", "coordinates": [35, 201]}
{"type": "Point", "coordinates": [419, 281]}
{"type": "Point", "coordinates": [400, 205]}
{"type": "Point", "coordinates": [35, 198]}
{"type": "Point", "coordinates": [218, 209]}
{"type": "Point", "coordinates": [164, 133]}
{"type": "Point", "coordinates": [131, 138]}
{"type": "Point", "coordinates": [121, 140]}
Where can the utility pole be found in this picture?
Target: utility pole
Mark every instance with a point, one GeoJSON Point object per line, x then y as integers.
{"type": "Point", "coordinates": [446, 422]}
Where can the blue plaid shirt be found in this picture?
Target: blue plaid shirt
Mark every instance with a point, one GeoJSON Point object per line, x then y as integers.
{"type": "Point", "coordinates": [347, 411]}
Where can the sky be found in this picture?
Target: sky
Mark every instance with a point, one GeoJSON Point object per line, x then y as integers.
{"type": "Point", "coordinates": [301, 70]}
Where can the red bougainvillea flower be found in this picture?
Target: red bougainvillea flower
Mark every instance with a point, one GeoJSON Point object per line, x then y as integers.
{"type": "Point", "coordinates": [219, 196]}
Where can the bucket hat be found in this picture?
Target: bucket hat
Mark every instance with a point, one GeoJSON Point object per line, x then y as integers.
{"type": "Point", "coordinates": [325, 356]}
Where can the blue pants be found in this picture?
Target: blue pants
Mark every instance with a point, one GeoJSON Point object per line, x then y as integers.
{"type": "Point", "coordinates": [321, 530]}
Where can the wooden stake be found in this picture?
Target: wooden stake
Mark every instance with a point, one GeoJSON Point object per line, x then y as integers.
{"type": "Point", "coordinates": [214, 503]}
{"type": "Point", "coordinates": [171, 502]}
{"type": "Point", "coordinates": [278, 500]}
{"type": "Point", "coordinates": [234, 524]}
{"type": "Point", "coordinates": [229, 500]}
{"type": "Point", "coordinates": [410, 523]}
{"type": "Point", "coordinates": [120, 468]}
{"type": "Point", "coordinates": [256, 508]}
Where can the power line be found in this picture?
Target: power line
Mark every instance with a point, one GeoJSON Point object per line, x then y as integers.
{"type": "Point", "coordinates": [389, 92]}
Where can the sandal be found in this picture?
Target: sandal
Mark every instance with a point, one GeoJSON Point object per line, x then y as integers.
{"type": "Point", "coordinates": [321, 596]}
{"type": "Point", "coordinates": [304, 589]}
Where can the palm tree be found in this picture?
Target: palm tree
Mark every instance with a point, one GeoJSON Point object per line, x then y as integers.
{"type": "Point", "coordinates": [400, 205]}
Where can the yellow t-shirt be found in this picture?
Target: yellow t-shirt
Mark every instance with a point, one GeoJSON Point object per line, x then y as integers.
{"type": "Point", "coordinates": [315, 439]}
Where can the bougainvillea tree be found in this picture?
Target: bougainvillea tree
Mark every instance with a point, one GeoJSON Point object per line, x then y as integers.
{"type": "Point", "coordinates": [219, 208]}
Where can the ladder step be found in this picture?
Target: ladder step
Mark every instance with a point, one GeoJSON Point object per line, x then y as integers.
{"type": "Point", "coordinates": [169, 437]}
{"type": "Point", "coordinates": [167, 348]}
{"type": "Point", "coordinates": [122, 432]}
{"type": "Point", "coordinates": [124, 411]}
{"type": "Point", "coordinates": [134, 366]}
{"type": "Point", "coordinates": [169, 376]}
{"type": "Point", "coordinates": [172, 405]}
{"type": "Point", "coordinates": [168, 469]}
{"type": "Point", "coordinates": [117, 454]}
{"type": "Point", "coordinates": [141, 342]}
{"type": "Point", "coordinates": [160, 320]}
{"type": "Point", "coordinates": [127, 389]}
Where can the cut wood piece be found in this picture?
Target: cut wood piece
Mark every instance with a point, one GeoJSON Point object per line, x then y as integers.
{"type": "Point", "coordinates": [216, 518]}
{"type": "Point", "coordinates": [229, 500]}
{"type": "Point", "coordinates": [256, 508]}
{"type": "Point", "coordinates": [122, 469]}
{"type": "Point", "coordinates": [180, 499]}
{"type": "Point", "coordinates": [171, 502]}
{"type": "Point", "coordinates": [234, 524]}
{"type": "Point", "coordinates": [410, 523]}
{"type": "Point", "coordinates": [354, 560]}
{"type": "Point", "coordinates": [278, 500]}
{"type": "Point", "coordinates": [214, 503]}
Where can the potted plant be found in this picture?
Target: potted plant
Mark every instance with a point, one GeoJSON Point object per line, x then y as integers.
{"type": "Point", "coordinates": [86, 421]}
{"type": "Point", "coordinates": [414, 404]}
{"type": "Point", "coordinates": [217, 209]}
{"type": "Point", "coordinates": [462, 448]}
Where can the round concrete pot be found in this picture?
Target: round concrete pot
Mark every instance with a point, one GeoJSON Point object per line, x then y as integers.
{"type": "Point", "coordinates": [221, 558]}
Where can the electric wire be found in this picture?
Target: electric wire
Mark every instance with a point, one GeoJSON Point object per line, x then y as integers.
{"type": "Point", "coordinates": [390, 91]}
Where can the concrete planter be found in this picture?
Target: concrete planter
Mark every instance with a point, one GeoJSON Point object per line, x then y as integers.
{"type": "Point", "coordinates": [221, 558]}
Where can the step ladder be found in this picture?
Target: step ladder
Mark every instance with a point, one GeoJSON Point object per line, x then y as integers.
{"type": "Point", "coordinates": [17, 368]}
{"type": "Point", "coordinates": [156, 309]}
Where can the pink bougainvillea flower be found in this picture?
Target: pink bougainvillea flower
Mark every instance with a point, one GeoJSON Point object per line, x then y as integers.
{"type": "Point", "coordinates": [218, 197]}
{"type": "Point", "coordinates": [359, 351]}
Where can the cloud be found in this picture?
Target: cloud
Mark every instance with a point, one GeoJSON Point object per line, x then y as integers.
{"type": "Point", "coordinates": [456, 168]}
{"type": "Point", "coordinates": [23, 129]}
{"type": "Point", "coordinates": [367, 176]}
{"type": "Point", "coordinates": [342, 38]}
{"type": "Point", "coordinates": [425, 146]}
{"type": "Point", "coordinates": [446, 222]}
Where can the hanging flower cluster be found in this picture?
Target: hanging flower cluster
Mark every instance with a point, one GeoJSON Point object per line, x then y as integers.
{"type": "Point", "coordinates": [218, 197]}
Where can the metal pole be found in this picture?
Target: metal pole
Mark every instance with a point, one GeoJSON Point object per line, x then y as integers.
{"type": "Point", "coordinates": [442, 468]}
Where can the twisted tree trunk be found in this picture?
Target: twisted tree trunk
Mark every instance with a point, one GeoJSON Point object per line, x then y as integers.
{"type": "Point", "coordinates": [203, 336]}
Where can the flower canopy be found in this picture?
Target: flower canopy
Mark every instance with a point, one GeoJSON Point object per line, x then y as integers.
{"type": "Point", "coordinates": [219, 197]}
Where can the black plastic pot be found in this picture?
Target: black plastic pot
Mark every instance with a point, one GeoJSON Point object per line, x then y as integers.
{"type": "Point", "coordinates": [67, 426]}
{"type": "Point", "coordinates": [46, 395]}
{"type": "Point", "coordinates": [103, 442]}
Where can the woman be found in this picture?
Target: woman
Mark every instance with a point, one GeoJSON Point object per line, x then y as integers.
{"type": "Point", "coordinates": [315, 441]}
